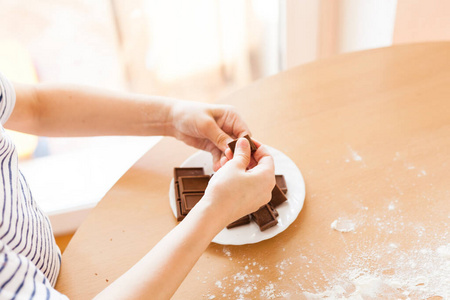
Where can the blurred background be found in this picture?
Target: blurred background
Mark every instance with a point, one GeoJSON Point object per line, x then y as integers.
{"type": "Point", "coordinates": [199, 50]}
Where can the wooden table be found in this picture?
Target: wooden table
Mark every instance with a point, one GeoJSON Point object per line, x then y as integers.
{"type": "Point", "coordinates": [370, 132]}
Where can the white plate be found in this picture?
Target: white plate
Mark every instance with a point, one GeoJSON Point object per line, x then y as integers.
{"type": "Point", "coordinates": [288, 211]}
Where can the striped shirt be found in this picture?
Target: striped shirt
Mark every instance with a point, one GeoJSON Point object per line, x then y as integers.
{"type": "Point", "coordinates": [29, 257]}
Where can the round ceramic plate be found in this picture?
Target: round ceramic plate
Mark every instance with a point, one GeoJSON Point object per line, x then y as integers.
{"type": "Point", "coordinates": [288, 211]}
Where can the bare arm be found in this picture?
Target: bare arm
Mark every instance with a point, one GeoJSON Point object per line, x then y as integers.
{"type": "Point", "coordinates": [67, 110]}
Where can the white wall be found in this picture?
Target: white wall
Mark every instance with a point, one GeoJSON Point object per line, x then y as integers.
{"type": "Point", "coordinates": [301, 31]}
{"type": "Point", "coordinates": [362, 24]}
{"type": "Point", "coordinates": [366, 24]}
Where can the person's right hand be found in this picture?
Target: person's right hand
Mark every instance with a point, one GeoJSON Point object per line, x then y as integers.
{"type": "Point", "coordinates": [234, 190]}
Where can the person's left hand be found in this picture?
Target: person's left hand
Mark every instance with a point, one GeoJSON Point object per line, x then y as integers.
{"type": "Point", "coordinates": [208, 127]}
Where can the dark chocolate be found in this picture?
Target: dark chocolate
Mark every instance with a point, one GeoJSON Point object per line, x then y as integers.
{"type": "Point", "coordinates": [264, 217]}
{"type": "Point", "coordinates": [193, 184]}
{"type": "Point", "coordinates": [274, 210]}
{"type": "Point", "coordinates": [278, 196]}
{"type": "Point", "coordinates": [281, 182]}
{"type": "Point", "coordinates": [253, 147]}
{"type": "Point", "coordinates": [178, 172]}
{"type": "Point", "coordinates": [239, 222]}
{"type": "Point", "coordinates": [177, 191]}
{"type": "Point", "coordinates": [180, 215]}
{"type": "Point", "coordinates": [188, 201]}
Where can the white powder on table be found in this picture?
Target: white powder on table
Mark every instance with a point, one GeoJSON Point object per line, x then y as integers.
{"type": "Point", "coordinates": [343, 225]}
{"type": "Point", "coordinates": [415, 274]}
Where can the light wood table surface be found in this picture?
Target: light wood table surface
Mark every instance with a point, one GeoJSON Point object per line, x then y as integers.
{"type": "Point", "coordinates": [370, 132]}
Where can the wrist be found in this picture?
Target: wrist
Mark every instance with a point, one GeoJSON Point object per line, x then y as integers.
{"type": "Point", "coordinates": [210, 215]}
{"type": "Point", "coordinates": [167, 108]}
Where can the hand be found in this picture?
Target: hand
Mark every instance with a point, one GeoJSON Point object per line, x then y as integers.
{"type": "Point", "coordinates": [232, 192]}
{"type": "Point", "coordinates": [235, 190]}
{"type": "Point", "coordinates": [207, 127]}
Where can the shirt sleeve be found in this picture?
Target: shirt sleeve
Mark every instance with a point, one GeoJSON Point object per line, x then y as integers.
{"type": "Point", "coordinates": [21, 279]}
{"type": "Point", "coordinates": [7, 99]}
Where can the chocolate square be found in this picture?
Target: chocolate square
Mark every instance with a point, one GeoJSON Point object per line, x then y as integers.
{"type": "Point", "coordinates": [239, 222]}
{"type": "Point", "coordinates": [278, 196]}
{"type": "Point", "coordinates": [188, 201]}
{"type": "Point", "coordinates": [177, 190]}
{"type": "Point", "coordinates": [265, 217]}
{"type": "Point", "coordinates": [193, 184]}
{"type": "Point", "coordinates": [281, 182]}
{"type": "Point", "coordinates": [180, 215]}
{"type": "Point", "coordinates": [178, 172]}
{"type": "Point", "coordinates": [253, 147]}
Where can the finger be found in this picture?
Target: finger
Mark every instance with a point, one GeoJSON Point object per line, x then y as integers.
{"type": "Point", "coordinates": [228, 153]}
{"type": "Point", "coordinates": [217, 136]}
{"type": "Point", "coordinates": [264, 168]}
{"type": "Point", "coordinates": [216, 154]}
{"type": "Point", "coordinates": [260, 152]}
{"type": "Point", "coordinates": [264, 160]}
{"type": "Point", "coordinates": [223, 161]}
{"type": "Point", "coordinates": [252, 163]}
{"type": "Point", "coordinates": [242, 153]}
{"type": "Point", "coordinates": [230, 121]}
{"type": "Point", "coordinates": [244, 133]}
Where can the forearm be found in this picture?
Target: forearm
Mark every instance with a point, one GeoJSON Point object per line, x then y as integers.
{"type": "Point", "coordinates": [63, 110]}
{"type": "Point", "coordinates": [164, 268]}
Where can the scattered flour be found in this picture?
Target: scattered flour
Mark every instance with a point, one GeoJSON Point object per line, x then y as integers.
{"type": "Point", "coordinates": [355, 155]}
{"type": "Point", "coordinates": [271, 292]}
{"type": "Point", "coordinates": [420, 273]}
{"type": "Point", "coordinates": [227, 252]}
{"type": "Point", "coordinates": [343, 225]}
{"type": "Point", "coordinates": [391, 206]}
{"type": "Point", "coordinates": [444, 251]}
{"type": "Point", "coordinates": [416, 274]}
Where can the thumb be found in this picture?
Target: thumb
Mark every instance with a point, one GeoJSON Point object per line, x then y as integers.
{"type": "Point", "coordinates": [242, 153]}
{"type": "Point", "coordinates": [217, 136]}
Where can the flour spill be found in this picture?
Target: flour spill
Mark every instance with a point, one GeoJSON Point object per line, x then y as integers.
{"type": "Point", "coordinates": [343, 225]}
{"type": "Point", "coordinates": [416, 274]}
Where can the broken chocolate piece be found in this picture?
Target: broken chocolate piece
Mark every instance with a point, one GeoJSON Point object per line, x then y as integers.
{"type": "Point", "coordinates": [281, 182]}
{"type": "Point", "coordinates": [253, 147]}
{"type": "Point", "coordinates": [178, 172]}
{"type": "Point", "coordinates": [265, 217]}
{"type": "Point", "coordinates": [239, 222]}
{"type": "Point", "coordinates": [278, 196]}
{"type": "Point", "coordinates": [188, 201]}
{"type": "Point", "coordinates": [193, 184]}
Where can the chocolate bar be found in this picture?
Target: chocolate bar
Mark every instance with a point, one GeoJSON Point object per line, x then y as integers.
{"type": "Point", "coordinates": [188, 201]}
{"type": "Point", "coordinates": [253, 147]}
{"type": "Point", "coordinates": [281, 182]}
{"type": "Point", "coordinates": [193, 184]}
{"type": "Point", "coordinates": [190, 185]}
{"type": "Point", "coordinates": [239, 222]}
{"type": "Point", "coordinates": [178, 172]}
{"type": "Point", "coordinates": [278, 196]}
{"type": "Point", "coordinates": [264, 217]}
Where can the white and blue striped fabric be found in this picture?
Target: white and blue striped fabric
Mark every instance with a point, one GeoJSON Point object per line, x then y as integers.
{"type": "Point", "coordinates": [29, 257]}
